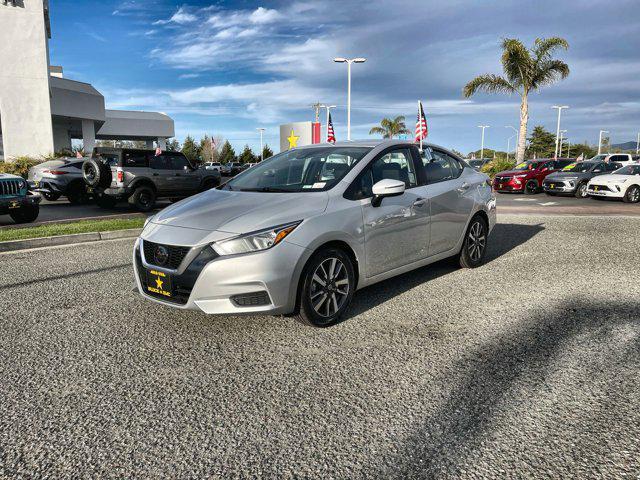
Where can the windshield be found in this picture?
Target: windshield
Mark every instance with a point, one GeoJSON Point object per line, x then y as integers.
{"type": "Point", "coordinates": [628, 170]}
{"type": "Point", "coordinates": [598, 158]}
{"type": "Point", "coordinates": [299, 170]}
{"type": "Point", "coordinates": [526, 166]}
{"type": "Point", "coordinates": [579, 167]}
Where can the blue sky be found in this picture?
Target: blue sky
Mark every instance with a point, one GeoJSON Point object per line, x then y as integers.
{"type": "Point", "coordinates": [226, 68]}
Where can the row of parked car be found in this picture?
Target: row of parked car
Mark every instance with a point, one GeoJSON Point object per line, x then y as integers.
{"type": "Point", "coordinates": [607, 175]}
{"type": "Point", "coordinates": [230, 169]}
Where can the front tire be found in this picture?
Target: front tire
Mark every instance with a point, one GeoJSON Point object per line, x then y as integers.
{"type": "Point", "coordinates": [26, 214]}
{"type": "Point", "coordinates": [581, 191]}
{"type": "Point", "coordinates": [77, 194]}
{"type": "Point", "coordinates": [105, 201]}
{"type": "Point", "coordinates": [531, 187]}
{"type": "Point", "coordinates": [327, 288]}
{"type": "Point", "coordinates": [632, 195]}
{"type": "Point", "coordinates": [51, 196]}
{"type": "Point", "coordinates": [474, 246]}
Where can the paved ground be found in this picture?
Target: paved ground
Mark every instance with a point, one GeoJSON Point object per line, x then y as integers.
{"type": "Point", "coordinates": [525, 367]}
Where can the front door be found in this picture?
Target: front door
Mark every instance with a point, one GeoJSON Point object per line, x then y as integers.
{"type": "Point", "coordinates": [450, 193]}
{"type": "Point", "coordinates": [187, 180]}
{"type": "Point", "coordinates": [396, 232]}
{"type": "Point", "coordinates": [163, 175]}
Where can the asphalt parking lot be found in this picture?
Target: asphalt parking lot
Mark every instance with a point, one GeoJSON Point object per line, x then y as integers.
{"type": "Point", "coordinates": [525, 367]}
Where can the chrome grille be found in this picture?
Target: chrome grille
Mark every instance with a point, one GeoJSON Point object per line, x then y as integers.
{"type": "Point", "coordinates": [176, 254]}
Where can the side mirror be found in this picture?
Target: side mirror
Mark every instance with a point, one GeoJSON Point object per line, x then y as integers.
{"type": "Point", "coordinates": [386, 188]}
{"type": "Point", "coordinates": [186, 168]}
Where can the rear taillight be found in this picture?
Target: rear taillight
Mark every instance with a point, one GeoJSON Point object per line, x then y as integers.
{"type": "Point", "coordinates": [55, 172]}
{"type": "Point", "coordinates": [120, 176]}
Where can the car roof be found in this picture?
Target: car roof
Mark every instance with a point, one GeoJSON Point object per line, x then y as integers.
{"type": "Point", "coordinates": [373, 143]}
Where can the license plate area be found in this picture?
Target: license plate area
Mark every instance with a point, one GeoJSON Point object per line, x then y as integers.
{"type": "Point", "coordinates": [159, 283]}
{"type": "Point", "coordinates": [14, 204]}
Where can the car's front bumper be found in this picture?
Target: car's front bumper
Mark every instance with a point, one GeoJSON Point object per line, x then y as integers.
{"type": "Point", "coordinates": [559, 187]}
{"type": "Point", "coordinates": [611, 191]}
{"type": "Point", "coordinates": [508, 186]}
{"type": "Point", "coordinates": [7, 204]}
{"type": "Point", "coordinates": [262, 282]}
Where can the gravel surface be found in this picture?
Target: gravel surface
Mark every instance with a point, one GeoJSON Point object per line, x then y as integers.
{"type": "Point", "coordinates": [525, 367]}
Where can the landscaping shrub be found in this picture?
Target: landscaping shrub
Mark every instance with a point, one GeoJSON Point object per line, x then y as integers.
{"type": "Point", "coordinates": [495, 166]}
{"type": "Point", "coordinates": [20, 166]}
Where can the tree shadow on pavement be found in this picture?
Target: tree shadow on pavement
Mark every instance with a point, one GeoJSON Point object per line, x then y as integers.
{"type": "Point", "coordinates": [504, 238]}
{"type": "Point", "coordinates": [488, 374]}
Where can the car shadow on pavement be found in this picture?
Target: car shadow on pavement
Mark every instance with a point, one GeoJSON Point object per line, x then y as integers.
{"type": "Point", "coordinates": [504, 238]}
{"type": "Point", "coordinates": [490, 377]}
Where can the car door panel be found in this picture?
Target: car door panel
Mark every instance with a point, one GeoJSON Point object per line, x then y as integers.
{"type": "Point", "coordinates": [396, 232]}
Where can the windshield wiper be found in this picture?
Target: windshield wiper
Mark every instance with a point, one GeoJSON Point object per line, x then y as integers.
{"type": "Point", "coordinates": [266, 189]}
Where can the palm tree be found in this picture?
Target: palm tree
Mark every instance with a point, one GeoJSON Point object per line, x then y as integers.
{"type": "Point", "coordinates": [390, 127]}
{"type": "Point", "coordinates": [525, 70]}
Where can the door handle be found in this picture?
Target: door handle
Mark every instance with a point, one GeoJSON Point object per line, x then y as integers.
{"type": "Point", "coordinates": [419, 202]}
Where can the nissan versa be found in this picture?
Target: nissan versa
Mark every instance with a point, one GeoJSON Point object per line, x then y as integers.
{"type": "Point", "coordinates": [300, 232]}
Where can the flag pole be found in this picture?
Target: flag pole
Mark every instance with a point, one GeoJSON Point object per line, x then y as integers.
{"type": "Point", "coordinates": [420, 117]}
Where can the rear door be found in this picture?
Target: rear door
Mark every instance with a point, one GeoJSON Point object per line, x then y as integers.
{"type": "Point", "coordinates": [449, 189]}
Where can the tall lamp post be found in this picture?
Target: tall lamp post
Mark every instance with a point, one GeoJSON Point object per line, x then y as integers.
{"type": "Point", "coordinates": [638, 144]}
{"type": "Point", "coordinates": [562, 139]}
{"type": "Point", "coordinates": [482, 144]}
{"type": "Point", "coordinates": [349, 61]}
{"type": "Point", "coordinates": [517, 136]}
{"type": "Point", "coordinates": [600, 140]}
{"type": "Point", "coordinates": [559, 107]}
{"type": "Point", "coordinates": [261, 130]}
{"type": "Point", "coordinates": [509, 145]}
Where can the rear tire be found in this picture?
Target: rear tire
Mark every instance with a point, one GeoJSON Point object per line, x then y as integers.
{"type": "Point", "coordinates": [77, 194]}
{"type": "Point", "coordinates": [474, 247]}
{"type": "Point", "coordinates": [143, 199]}
{"type": "Point", "coordinates": [96, 173]}
{"type": "Point", "coordinates": [25, 214]}
{"type": "Point", "coordinates": [327, 288]}
{"type": "Point", "coordinates": [632, 195]}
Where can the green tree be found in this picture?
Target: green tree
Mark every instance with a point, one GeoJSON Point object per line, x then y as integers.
{"type": "Point", "coordinates": [266, 152]}
{"type": "Point", "coordinates": [191, 150]}
{"type": "Point", "coordinates": [526, 70]}
{"type": "Point", "coordinates": [247, 156]}
{"type": "Point", "coordinates": [173, 145]}
{"type": "Point", "coordinates": [390, 127]}
{"type": "Point", "coordinates": [542, 143]}
{"type": "Point", "coordinates": [227, 154]}
{"type": "Point", "coordinates": [583, 148]}
{"type": "Point", "coordinates": [208, 152]}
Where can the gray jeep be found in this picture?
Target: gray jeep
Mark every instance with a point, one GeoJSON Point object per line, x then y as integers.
{"type": "Point", "coordinates": [141, 177]}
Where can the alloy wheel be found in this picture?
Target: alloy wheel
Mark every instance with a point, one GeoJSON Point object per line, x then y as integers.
{"type": "Point", "coordinates": [634, 194]}
{"type": "Point", "coordinates": [329, 287]}
{"type": "Point", "coordinates": [477, 241]}
{"type": "Point", "coordinates": [582, 190]}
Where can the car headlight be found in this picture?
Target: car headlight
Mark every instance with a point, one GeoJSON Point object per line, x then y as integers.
{"type": "Point", "coordinates": [21, 184]}
{"type": "Point", "coordinates": [255, 241]}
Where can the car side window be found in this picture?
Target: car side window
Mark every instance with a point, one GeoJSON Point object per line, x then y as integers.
{"type": "Point", "coordinates": [178, 162]}
{"type": "Point", "coordinates": [439, 166]}
{"type": "Point", "coordinates": [160, 162]}
{"type": "Point", "coordinates": [599, 168]}
{"type": "Point", "coordinates": [395, 165]}
{"type": "Point", "coordinates": [131, 159]}
{"type": "Point", "coordinates": [610, 167]}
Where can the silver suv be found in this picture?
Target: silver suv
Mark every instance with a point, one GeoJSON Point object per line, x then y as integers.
{"type": "Point", "coordinates": [302, 231]}
{"type": "Point", "coordinates": [142, 176]}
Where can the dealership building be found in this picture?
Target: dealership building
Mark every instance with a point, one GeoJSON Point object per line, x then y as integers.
{"type": "Point", "coordinates": [40, 110]}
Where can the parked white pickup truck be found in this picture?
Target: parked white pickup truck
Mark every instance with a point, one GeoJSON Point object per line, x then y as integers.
{"type": "Point", "coordinates": [622, 158]}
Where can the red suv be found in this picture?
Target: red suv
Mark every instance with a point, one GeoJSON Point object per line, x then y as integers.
{"type": "Point", "coordinates": [527, 177]}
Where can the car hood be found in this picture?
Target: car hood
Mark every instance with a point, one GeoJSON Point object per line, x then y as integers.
{"type": "Point", "coordinates": [240, 212]}
{"type": "Point", "coordinates": [611, 178]}
{"type": "Point", "coordinates": [511, 173]}
{"type": "Point", "coordinates": [569, 175]}
{"type": "Point", "coordinates": [9, 176]}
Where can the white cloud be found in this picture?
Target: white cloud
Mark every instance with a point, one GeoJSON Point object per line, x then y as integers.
{"type": "Point", "coordinates": [181, 17]}
{"type": "Point", "coordinates": [264, 15]}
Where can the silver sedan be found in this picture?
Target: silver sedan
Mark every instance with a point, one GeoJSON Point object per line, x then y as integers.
{"type": "Point", "coordinates": [300, 232]}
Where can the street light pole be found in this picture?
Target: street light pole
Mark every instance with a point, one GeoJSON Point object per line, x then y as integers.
{"type": "Point", "coordinates": [638, 144]}
{"type": "Point", "coordinates": [600, 140]}
{"type": "Point", "coordinates": [559, 107]}
{"type": "Point", "coordinates": [482, 144]}
{"type": "Point", "coordinates": [261, 147]}
{"type": "Point", "coordinates": [509, 145]}
{"type": "Point", "coordinates": [562, 139]}
{"type": "Point", "coordinates": [517, 135]}
{"type": "Point", "coordinates": [349, 61]}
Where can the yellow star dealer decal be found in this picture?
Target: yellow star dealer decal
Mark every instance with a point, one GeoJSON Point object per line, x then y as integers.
{"type": "Point", "coordinates": [293, 139]}
{"type": "Point", "coordinates": [159, 283]}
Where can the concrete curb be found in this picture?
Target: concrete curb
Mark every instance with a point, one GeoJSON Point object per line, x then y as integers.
{"type": "Point", "coordinates": [68, 239]}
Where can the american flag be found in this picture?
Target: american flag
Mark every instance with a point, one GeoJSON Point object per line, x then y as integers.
{"type": "Point", "coordinates": [331, 136]}
{"type": "Point", "coordinates": [421, 124]}
{"type": "Point", "coordinates": [79, 154]}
